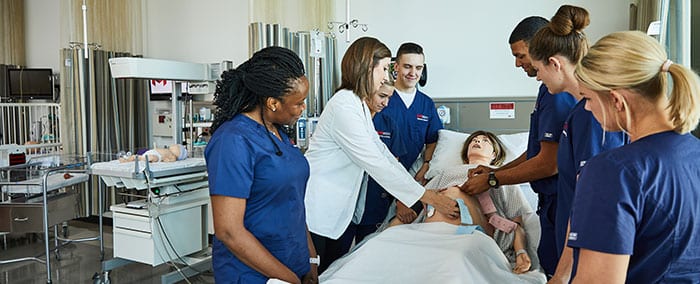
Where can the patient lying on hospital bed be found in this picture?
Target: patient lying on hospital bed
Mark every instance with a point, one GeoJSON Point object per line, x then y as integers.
{"type": "Point", "coordinates": [506, 205]}
{"type": "Point", "coordinates": [175, 152]}
{"type": "Point", "coordinates": [437, 251]}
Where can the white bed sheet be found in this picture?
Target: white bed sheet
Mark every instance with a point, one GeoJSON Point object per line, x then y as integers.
{"type": "Point", "coordinates": [426, 253]}
{"type": "Point", "coordinates": [53, 182]}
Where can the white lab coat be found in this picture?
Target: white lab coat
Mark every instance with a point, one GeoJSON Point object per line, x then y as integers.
{"type": "Point", "coordinates": [343, 146]}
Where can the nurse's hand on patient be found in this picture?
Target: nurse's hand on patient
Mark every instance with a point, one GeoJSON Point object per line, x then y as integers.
{"type": "Point", "coordinates": [442, 203]}
{"type": "Point", "coordinates": [405, 214]}
{"type": "Point", "coordinates": [478, 170]}
{"type": "Point", "coordinates": [475, 185]}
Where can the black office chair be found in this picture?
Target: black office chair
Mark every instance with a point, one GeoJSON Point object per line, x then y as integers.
{"type": "Point", "coordinates": [424, 76]}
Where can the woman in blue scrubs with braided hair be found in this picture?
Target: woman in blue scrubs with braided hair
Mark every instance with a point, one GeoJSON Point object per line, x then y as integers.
{"type": "Point", "coordinates": [636, 211]}
{"type": "Point", "coordinates": [257, 178]}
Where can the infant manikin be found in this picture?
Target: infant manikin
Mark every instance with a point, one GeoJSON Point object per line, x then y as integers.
{"type": "Point", "coordinates": [175, 152]}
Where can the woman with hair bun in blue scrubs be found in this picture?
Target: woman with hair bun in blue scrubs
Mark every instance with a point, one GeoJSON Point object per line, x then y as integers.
{"type": "Point", "coordinates": [257, 177]}
{"type": "Point", "coordinates": [555, 50]}
{"type": "Point", "coordinates": [636, 212]}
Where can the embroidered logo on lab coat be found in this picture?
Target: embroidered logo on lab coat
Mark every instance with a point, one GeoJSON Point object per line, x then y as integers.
{"type": "Point", "coordinates": [422, 117]}
{"type": "Point", "coordinates": [384, 134]}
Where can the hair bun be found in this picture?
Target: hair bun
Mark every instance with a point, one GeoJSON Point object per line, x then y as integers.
{"type": "Point", "coordinates": [569, 19]}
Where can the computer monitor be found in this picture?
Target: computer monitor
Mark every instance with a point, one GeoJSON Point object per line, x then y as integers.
{"type": "Point", "coordinates": [30, 84]}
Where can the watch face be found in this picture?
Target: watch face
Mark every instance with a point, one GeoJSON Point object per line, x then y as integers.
{"type": "Point", "coordinates": [492, 182]}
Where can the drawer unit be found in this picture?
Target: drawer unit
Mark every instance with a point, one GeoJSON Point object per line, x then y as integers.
{"type": "Point", "coordinates": [145, 236]}
{"type": "Point", "coordinates": [20, 216]}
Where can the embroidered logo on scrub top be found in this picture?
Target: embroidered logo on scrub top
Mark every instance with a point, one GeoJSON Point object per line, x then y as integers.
{"type": "Point", "coordinates": [573, 236]}
{"type": "Point", "coordinates": [422, 117]}
{"type": "Point", "coordinates": [384, 134]}
{"type": "Point", "coordinates": [548, 135]}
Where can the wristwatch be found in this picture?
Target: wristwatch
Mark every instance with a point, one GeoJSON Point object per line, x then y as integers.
{"type": "Point", "coordinates": [315, 260]}
{"type": "Point", "coordinates": [493, 181]}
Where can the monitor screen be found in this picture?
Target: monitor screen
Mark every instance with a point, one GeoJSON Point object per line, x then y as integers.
{"type": "Point", "coordinates": [30, 83]}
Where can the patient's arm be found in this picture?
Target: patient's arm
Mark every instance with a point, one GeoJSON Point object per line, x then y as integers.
{"type": "Point", "coordinates": [522, 261]}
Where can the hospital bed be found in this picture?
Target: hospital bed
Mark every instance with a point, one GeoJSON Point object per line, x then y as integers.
{"type": "Point", "coordinates": [434, 252]}
{"type": "Point", "coordinates": [37, 195]}
{"type": "Point", "coordinates": [168, 220]}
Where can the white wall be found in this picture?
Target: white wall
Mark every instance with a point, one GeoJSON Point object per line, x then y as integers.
{"type": "Point", "coordinates": [42, 34]}
{"type": "Point", "coordinates": [466, 42]}
{"type": "Point", "coordinates": [197, 31]}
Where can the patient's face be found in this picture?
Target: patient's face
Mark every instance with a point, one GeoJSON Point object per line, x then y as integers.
{"type": "Point", "coordinates": [480, 146]}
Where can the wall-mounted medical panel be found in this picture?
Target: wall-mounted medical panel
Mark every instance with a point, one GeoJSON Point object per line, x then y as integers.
{"type": "Point", "coordinates": [471, 114]}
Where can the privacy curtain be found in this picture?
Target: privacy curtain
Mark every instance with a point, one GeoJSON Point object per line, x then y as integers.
{"type": "Point", "coordinates": [102, 115]}
{"type": "Point", "coordinates": [643, 13]}
{"type": "Point", "coordinates": [114, 25]}
{"type": "Point", "coordinates": [297, 15]}
{"type": "Point", "coordinates": [12, 32]}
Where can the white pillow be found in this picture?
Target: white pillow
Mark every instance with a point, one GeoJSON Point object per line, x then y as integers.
{"type": "Point", "coordinates": [449, 149]}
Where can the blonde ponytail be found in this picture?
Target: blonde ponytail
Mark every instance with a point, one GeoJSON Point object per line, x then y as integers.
{"type": "Point", "coordinates": [632, 60]}
{"type": "Point", "coordinates": [684, 100]}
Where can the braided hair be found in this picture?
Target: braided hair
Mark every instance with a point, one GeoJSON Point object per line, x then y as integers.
{"type": "Point", "coordinates": [270, 73]}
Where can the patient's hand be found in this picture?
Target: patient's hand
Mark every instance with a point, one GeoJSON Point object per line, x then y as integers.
{"type": "Point", "coordinates": [404, 213]}
{"type": "Point", "coordinates": [522, 263]}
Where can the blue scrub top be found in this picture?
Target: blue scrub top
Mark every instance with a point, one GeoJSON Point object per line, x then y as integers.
{"type": "Point", "coordinates": [242, 163]}
{"type": "Point", "coordinates": [581, 139]}
{"type": "Point", "coordinates": [418, 124]}
{"type": "Point", "coordinates": [546, 124]}
{"type": "Point", "coordinates": [643, 200]}
{"type": "Point", "coordinates": [377, 200]}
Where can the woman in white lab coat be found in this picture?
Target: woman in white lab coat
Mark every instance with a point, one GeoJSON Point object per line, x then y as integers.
{"type": "Point", "coordinates": [345, 146]}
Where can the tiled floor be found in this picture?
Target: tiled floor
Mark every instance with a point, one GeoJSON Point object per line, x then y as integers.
{"type": "Point", "coordinates": [78, 262]}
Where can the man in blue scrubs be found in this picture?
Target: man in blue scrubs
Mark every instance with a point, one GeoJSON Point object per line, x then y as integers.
{"type": "Point", "coordinates": [415, 115]}
{"type": "Point", "coordinates": [539, 164]}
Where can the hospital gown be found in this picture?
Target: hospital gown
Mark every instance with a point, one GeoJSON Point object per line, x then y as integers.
{"type": "Point", "coordinates": [509, 202]}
